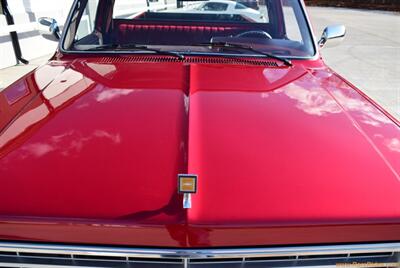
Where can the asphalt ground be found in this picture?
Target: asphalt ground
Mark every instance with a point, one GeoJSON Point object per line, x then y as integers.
{"type": "Point", "coordinates": [369, 57]}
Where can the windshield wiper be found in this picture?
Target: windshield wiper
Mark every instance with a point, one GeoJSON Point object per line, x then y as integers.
{"type": "Point", "coordinates": [245, 47]}
{"type": "Point", "coordinates": [135, 47]}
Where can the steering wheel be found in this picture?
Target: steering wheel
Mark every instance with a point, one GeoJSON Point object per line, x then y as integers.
{"type": "Point", "coordinates": [255, 34]}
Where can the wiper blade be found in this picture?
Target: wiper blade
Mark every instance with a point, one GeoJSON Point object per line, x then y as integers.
{"type": "Point", "coordinates": [249, 48]}
{"type": "Point", "coordinates": [135, 47]}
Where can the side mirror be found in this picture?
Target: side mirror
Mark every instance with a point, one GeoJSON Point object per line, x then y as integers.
{"type": "Point", "coordinates": [332, 36]}
{"type": "Point", "coordinates": [49, 29]}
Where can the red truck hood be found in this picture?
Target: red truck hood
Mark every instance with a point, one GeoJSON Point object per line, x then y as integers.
{"type": "Point", "coordinates": [283, 155]}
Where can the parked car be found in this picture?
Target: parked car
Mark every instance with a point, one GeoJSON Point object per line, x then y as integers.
{"type": "Point", "coordinates": [229, 7]}
{"type": "Point", "coordinates": [176, 139]}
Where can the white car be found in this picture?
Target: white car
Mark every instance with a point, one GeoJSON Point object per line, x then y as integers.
{"type": "Point", "coordinates": [229, 7]}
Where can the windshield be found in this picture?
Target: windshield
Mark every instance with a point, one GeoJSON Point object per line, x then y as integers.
{"type": "Point", "coordinates": [276, 27]}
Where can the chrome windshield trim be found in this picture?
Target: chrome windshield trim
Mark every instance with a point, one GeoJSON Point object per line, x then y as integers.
{"type": "Point", "coordinates": [72, 52]}
{"type": "Point", "coordinates": [166, 253]}
{"type": "Point", "coordinates": [311, 31]}
{"type": "Point", "coordinates": [66, 27]}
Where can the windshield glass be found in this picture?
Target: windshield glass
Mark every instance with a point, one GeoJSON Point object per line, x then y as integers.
{"type": "Point", "coordinates": [277, 27]}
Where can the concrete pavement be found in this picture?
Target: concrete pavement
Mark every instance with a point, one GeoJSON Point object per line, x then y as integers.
{"type": "Point", "coordinates": [369, 57]}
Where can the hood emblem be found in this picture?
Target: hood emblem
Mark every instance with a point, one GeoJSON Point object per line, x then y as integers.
{"type": "Point", "coordinates": [187, 185]}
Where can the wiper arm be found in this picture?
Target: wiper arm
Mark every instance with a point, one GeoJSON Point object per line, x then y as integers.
{"type": "Point", "coordinates": [135, 47]}
{"type": "Point", "coordinates": [249, 48]}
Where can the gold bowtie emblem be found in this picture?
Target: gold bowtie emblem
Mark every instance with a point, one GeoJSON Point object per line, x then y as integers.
{"type": "Point", "coordinates": [187, 185]}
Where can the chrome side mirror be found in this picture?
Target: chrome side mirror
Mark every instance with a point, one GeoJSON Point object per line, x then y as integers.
{"type": "Point", "coordinates": [332, 36]}
{"type": "Point", "coordinates": [48, 28]}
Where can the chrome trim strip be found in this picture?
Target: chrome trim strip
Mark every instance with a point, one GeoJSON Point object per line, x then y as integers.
{"type": "Point", "coordinates": [25, 265]}
{"type": "Point", "coordinates": [66, 26]}
{"type": "Point", "coordinates": [198, 253]}
{"type": "Point", "coordinates": [311, 30]}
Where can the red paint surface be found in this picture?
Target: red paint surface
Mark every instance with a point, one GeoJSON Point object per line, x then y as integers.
{"type": "Point", "coordinates": [284, 156]}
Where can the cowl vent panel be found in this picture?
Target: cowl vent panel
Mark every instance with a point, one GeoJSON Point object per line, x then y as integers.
{"type": "Point", "coordinates": [191, 60]}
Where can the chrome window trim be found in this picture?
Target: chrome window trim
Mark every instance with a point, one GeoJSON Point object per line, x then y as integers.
{"type": "Point", "coordinates": [311, 31]}
{"type": "Point", "coordinates": [71, 52]}
{"type": "Point", "coordinates": [210, 253]}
